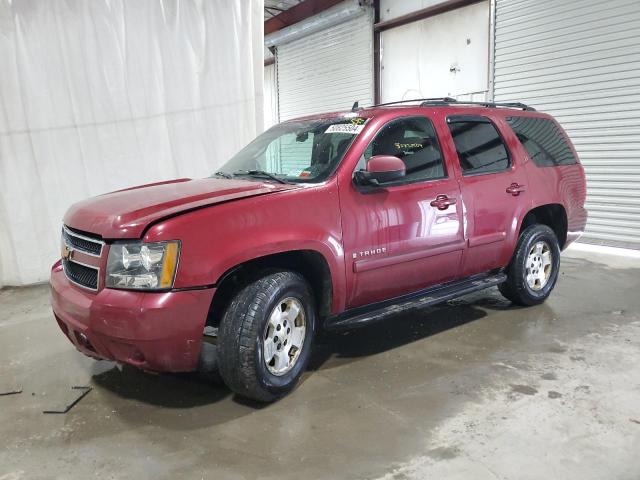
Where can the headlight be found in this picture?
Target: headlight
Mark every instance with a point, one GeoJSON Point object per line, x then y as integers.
{"type": "Point", "coordinates": [142, 266]}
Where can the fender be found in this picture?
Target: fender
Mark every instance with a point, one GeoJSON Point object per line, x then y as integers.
{"type": "Point", "coordinates": [566, 188]}
{"type": "Point", "coordinates": [563, 185]}
{"type": "Point", "coordinates": [218, 238]}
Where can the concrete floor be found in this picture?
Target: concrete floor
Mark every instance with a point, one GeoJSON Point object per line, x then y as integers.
{"type": "Point", "coordinates": [474, 389]}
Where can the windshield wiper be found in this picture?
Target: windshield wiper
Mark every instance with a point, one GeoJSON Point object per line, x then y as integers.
{"type": "Point", "coordinates": [223, 175]}
{"type": "Point", "coordinates": [260, 173]}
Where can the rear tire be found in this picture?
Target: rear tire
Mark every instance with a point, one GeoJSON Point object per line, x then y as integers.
{"type": "Point", "coordinates": [534, 267]}
{"type": "Point", "coordinates": [265, 336]}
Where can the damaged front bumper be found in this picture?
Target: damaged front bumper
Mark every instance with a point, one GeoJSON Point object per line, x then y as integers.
{"type": "Point", "coordinates": [157, 331]}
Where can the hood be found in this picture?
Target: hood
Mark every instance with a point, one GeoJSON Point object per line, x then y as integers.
{"type": "Point", "coordinates": [127, 213]}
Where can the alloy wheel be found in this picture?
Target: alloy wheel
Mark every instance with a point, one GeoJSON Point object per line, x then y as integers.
{"type": "Point", "coordinates": [284, 336]}
{"type": "Point", "coordinates": [539, 265]}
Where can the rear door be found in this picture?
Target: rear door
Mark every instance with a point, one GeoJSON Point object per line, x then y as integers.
{"type": "Point", "coordinates": [406, 235]}
{"type": "Point", "coordinates": [493, 184]}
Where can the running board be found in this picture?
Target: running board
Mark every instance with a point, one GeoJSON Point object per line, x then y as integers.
{"type": "Point", "coordinates": [364, 315]}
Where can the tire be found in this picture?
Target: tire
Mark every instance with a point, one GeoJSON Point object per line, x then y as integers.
{"type": "Point", "coordinates": [208, 368]}
{"type": "Point", "coordinates": [530, 259]}
{"type": "Point", "coordinates": [248, 335]}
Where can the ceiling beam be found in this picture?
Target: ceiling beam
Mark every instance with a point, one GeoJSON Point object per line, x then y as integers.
{"type": "Point", "coordinates": [436, 9]}
{"type": "Point", "coordinates": [297, 13]}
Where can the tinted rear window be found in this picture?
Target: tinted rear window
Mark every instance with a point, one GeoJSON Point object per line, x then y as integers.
{"type": "Point", "coordinates": [480, 148]}
{"type": "Point", "coordinates": [543, 140]}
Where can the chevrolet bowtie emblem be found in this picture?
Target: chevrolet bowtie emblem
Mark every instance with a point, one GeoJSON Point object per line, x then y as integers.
{"type": "Point", "coordinates": [67, 252]}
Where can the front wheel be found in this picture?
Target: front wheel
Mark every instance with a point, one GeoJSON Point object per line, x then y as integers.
{"type": "Point", "coordinates": [534, 267]}
{"type": "Point", "coordinates": [265, 336]}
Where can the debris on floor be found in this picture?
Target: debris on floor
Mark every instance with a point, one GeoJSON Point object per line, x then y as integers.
{"type": "Point", "coordinates": [78, 393]}
{"type": "Point", "coordinates": [9, 386]}
{"type": "Point", "coordinates": [10, 391]}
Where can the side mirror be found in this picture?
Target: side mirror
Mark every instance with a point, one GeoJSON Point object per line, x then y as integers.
{"type": "Point", "coordinates": [380, 169]}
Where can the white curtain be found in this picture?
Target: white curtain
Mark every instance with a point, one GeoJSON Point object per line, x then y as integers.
{"type": "Point", "coordinates": [103, 94]}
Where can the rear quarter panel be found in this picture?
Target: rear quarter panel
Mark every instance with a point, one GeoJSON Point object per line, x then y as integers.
{"type": "Point", "coordinates": [564, 185]}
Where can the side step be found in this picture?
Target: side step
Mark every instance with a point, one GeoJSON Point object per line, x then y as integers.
{"type": "Point", "coordinates": [366, 314]}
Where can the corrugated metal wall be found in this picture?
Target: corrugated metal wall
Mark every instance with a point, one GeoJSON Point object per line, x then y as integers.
{"type": "Point", "coordinates": [327, 70]}
{"type": "Point", "coordinates": [579, 60]}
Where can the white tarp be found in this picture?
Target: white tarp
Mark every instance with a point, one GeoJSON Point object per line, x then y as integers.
{"type": "Point", "coordinates": [103, 94]}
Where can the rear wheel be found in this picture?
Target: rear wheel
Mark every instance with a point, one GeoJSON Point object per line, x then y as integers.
{"type": "Point", "coordinates": [265, 336]}
{"type": "Point", "coordinates": [534, 268]}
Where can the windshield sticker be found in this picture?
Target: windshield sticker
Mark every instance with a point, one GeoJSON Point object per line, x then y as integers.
{"type": "Point", "coordinates": [354, 127]}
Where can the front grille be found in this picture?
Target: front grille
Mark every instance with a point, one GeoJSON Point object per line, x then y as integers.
{"type": "Point", "coordinates": [92, 246]}
{"type": "Point", "coordinates": [82, 275]}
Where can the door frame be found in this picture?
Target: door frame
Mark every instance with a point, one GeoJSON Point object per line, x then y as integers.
{"type": "Point", "coordinates": [345, 174]}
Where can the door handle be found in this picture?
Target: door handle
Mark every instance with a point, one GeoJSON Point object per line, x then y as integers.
{"type": "Point", "coordinates": [442, 202]}
{"type": "Point", "coordinates": [515, 189]}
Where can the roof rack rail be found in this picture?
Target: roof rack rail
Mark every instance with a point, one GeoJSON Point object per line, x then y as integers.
{"type": "Point", "coordinates": [423, 100]}
{"type": "Point", "coordinates": [449, 101]}
{"type": "Point", "coordinates": [444, 101]}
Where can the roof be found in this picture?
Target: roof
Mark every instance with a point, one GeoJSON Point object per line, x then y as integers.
{"type": "Point", "coordinates": [452, 102]}
{"type": "Point", "coordinates": [275, 7]}
{"type": "Point", "coordinates": [449, 103]}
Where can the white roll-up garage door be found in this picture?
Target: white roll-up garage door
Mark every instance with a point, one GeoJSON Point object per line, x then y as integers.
{"type": "Point", "coordinates": [579, 60]}
{"type": "Point", "coordinates": [446, 55]}
{"type": "Point", "coordinates": [270, 96]}
{"type": "Point", "coordinates": [327, 70]}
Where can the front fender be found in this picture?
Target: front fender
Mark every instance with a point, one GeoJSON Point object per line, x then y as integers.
{"type": "Point", "coordinates": [220, 237]}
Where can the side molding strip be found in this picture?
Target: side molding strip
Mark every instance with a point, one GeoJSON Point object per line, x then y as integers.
{"type": "Point", "coordinates": [486, 239]}
{"type": "Point", "coordinates": [373, 263]}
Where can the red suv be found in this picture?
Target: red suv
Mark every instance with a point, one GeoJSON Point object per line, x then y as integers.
{"type": "Point", "coordinates": [330, 221]}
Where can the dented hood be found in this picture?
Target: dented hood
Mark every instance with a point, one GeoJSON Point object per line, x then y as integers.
{"type": "Point", "coordinates": [127, 213]}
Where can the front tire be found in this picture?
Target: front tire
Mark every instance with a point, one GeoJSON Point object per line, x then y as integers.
{"type": "Point", "coordinates": [534, 267]}
{"type": "Point", "coordinates": [265, 336]}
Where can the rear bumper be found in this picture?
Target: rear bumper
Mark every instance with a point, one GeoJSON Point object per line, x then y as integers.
{"type": "Point", "coordinates": [153, 331]}
{"type": "Point", "coordinates": [576, 225]}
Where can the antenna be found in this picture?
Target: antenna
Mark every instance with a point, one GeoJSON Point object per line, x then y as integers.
{"type": "Point", "coordinates": [355, 107]}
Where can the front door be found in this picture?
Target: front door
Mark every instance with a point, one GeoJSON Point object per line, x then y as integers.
{"type": "Point", "coordinates": [406, 235]}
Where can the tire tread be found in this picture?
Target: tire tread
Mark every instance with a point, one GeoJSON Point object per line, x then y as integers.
{"type": "Point", "coordinates": [514, 288]}
{"type": "Point", "coordinates": [238, 331]}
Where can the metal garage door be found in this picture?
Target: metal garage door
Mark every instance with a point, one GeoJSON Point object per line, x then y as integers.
{"type": "Point", "coordinates": [445, 55]}
{"type": "Point", "coordinates": [580, 61]}
{"type": "Point", "coordinates": [270, 96]}
{"type": "Point", "coordinates": [327, 70]}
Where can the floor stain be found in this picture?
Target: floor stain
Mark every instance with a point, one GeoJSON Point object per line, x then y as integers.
{"type": "Point", "coordinates": [524, 389]}
{"type": "Point", "coordinates": [458, 391]}
{"type": "Point", "coordinates": [444, 453]}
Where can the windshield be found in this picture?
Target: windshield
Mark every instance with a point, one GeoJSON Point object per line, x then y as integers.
{"type": "Point", "coordinates": [297, 151]}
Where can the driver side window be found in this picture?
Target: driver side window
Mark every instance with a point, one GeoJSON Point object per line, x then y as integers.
{"type": "Point", "coordinates": [413, 140]}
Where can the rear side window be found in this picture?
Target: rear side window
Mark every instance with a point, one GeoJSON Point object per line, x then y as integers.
{"type": "Point", "coordinates": [543, 140]}
{"type": "Point", "coordinates": [479, 145]}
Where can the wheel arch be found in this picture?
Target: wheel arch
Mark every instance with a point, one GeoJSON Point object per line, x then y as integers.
{"type": "Point", "coordinates": [554, 215]}
{"type": "Point", "coordinates": [311, 264]}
